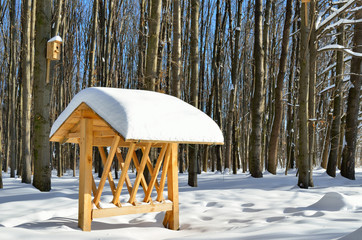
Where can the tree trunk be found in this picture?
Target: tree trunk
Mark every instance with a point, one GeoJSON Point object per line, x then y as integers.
{"type": "Point", "coordinates": [194, 64]}
{"type": "Point", "coordinates": [303, 154]}
{"type": "Point", "coordinates": [353, 104]}
{"type": "Point", "coordinates": [12, 91]}
{"type": "Point", "coordinates": [256, 105]}
{"type": "Point", "coordinates": [141, 46]}
{"type": "Point", "coordinates": [42, 90]}
{"type": "Point", "coordinates": [27, 96]}
{"type": "Point", "coordinates": [274, 138]}
{"type": "Point", "coordinates": [337, 111]}
{"type": "Point", "coordinates": [153, 37]}
{"type": "Point", "coordinates": [91, 75]}
{"type": "Point", "coordinates": [234, 78]}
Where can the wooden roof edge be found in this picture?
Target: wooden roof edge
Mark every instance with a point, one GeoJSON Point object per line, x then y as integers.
{"type": "Point", "coordinates": [80, 106]}
{"type": "Point", "coordinates": [179, 142]}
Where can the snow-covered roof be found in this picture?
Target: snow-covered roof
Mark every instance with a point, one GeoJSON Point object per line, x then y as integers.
{"type": "Point", "coordinates": [56, 38]}
{"type": "Point", "coordinates": [145, 115]}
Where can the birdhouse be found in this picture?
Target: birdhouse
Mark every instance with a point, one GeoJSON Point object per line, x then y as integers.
{"type": "Point", "coordinates": [305, 1]}
{"type": "Point", "coordinates": [53, 48]}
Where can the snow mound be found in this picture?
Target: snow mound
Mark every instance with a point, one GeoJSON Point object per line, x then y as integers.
{"type": "Point", "coordinates": [331, 201]}
{"type": "Point", "coordinates": [146, 115]}
{"type": "Point", "coordinates": [356, 235]}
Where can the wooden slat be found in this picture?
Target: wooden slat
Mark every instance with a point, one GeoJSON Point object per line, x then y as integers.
{"type": "Point", "coordinates": [137, 165]}
{"type": "Point", "coordinates": [106, 169]}
{"type": "Point", "coordinates": [94, 186]}
{"type": "Point", "coordinates": [124, 210]}
{"type": "Point", "coordinates": [147, 197]}
{"type": "Point", "coordinates": [104, 160]}
{"type": "Point", "coordinates": [123, 174]}
{"type": "Point", "coordinates": [121, 164]}
{"type": "Point", "coordinates": [139, 174]}
{"type": "Point", "coordinates": [164, 174]}
{"type": "Point", "coordinates": [167, 141]}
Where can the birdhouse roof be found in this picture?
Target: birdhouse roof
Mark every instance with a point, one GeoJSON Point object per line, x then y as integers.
{"type": "Point", "coordinates": [138, 115]}
{"type": "Point", "coordinates": [56, 39]}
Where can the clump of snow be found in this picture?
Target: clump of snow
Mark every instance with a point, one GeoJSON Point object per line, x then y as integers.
{"type": "Point", "coordinates": [146, 115]}
{"type": "Point", "coordinates": [56, 38]}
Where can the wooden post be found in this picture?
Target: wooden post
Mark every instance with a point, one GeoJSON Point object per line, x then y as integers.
{"type": "Point", "coordinates": [172, 217]}
{"type": "Point", "coordinates": [85, 175]}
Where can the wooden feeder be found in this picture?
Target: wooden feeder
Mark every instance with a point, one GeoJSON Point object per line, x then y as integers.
{"type": "Point", "coordinates": [131, 120]}
{"type": "Point", "coordinates": [53, 48]}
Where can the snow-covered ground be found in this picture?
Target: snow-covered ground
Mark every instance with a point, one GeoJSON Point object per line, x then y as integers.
{"type": "Point", "coordinates": [222, 207]}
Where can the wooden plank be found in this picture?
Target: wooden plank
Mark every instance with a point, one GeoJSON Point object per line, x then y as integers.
{"type": "Point", "coordinates": [147, 197]}
{"type": "Point", "coordinates": [94, 186]}
{"type": "Point", "coordinates": [104, 160]}
{"type": "Point", "coordinates": [124, 210]}
{"type": "Point", "coordinates": [106, 169]}
{"type": "Point", "coordinates": [164, 174]}
{"type": "Point", "coordinates": [137, 165]}
{"type": "Point", "coordinates": [139, 174]}
{"type": "Point", "coordinates": [121, 165]}
{"type": "Point", "coordinates": [123, 174]}
{"type": "Point", "coordinates": [167, 141]}
{"type": "Point", "coordinates": [172, 186]}
{"type": "Point", "coordinates": [85, 176]}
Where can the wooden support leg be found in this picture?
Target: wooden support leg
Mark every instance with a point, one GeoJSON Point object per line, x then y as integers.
{"type": "Point", "coordinates": [85, 175]}
{"type": "Point", "coordinates": [171, 220]}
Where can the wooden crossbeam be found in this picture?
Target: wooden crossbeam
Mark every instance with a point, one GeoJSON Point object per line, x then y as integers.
{"type": "Point", "coordinates": [163, 175]}
{"type": "Point", "coordinates": [150, 169]}
{"type": "Point", "coordinates": [106, 169]}
{"type": "Point", "coordinates": [143, 208]}
{"type": "Point", "coordinates": [123, 174]}
{"type": "Point", "coordinates": [154, 174]}
{"type": "Point", "coordinates": [137, 165]}
{"type": "Point", "coordinates": [139, 174]}
{"type": "Point", "coordinates": [94, 186]}
{"type": "Point", "coordinates": [121, 165]}
{"type": "Point", "coordinates": [104, 161]}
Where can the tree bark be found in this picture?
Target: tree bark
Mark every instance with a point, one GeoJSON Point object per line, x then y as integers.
{"type": "Point", "coordinates": [234, 78]}
{"type": "Point", "coordinates": [303, 154]}
{"type": "Point", "coordinates": [337, 111]}
{"type": "Point", "coordinates": [27, 96]}
{"type": "Point", "coordinates": [256, 105]}
{"type": "Point", "coordinates": [153, 39]}
{"type": "Point", "coordinates": [42, 90]}
{"type": "Point", "coordinates": [194, 64]}
{"type": "Point", "coordinates": [274, 138]}
{"type": "Point", "coordinates": [353, 103]}
{"type": "Point", "coordinates": [11, 148]}
{"type": "Point", "coordinates": [91, 75]}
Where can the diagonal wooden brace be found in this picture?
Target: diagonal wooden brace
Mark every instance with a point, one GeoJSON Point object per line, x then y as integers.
{"type": "Point", "coordinates": [106, 169]}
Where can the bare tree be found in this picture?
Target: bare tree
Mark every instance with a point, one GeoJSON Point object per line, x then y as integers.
{"type": "Point", "coordinates": [152, 46]}
{"type": "Point", "coordinates": [27, 96]}
{"type": "Point", "coordinates": [303, 154]}
{"type": "Point", "coordinates": [42, 89]}
{"type": "Point", "coordinates": [257, 101]}
{"type": "Point", "coordinates": [353, 102]}
{"type": "Point", "coordinates": [274, 138]}
{"type": "Point", "coordinates": [194, 64]}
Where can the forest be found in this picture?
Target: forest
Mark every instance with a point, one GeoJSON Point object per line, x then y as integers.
{"type": "Point", "coordinates": [282, 79]}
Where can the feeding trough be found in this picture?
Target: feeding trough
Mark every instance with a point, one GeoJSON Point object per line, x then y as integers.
{"type": "Point", "coordinates": [131, 119]}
